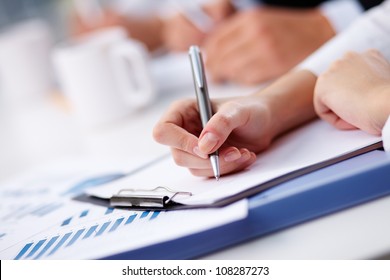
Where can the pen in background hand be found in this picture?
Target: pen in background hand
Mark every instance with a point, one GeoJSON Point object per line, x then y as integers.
{"type": "Point", "coordinates": [202, 96]}
{"type": "Point", "coordinates": [195, 14]}
{"type": "Point", "coordinates": [89, 11]}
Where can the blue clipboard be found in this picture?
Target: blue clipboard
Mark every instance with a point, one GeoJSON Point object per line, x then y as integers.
{"type": "Point", "coordinates": [322, 192]}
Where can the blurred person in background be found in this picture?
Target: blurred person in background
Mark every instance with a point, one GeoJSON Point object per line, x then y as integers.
{"type": "Point", "coordinates": [256, 41]}
{"type": "Point", "coordinates": [251, 41]}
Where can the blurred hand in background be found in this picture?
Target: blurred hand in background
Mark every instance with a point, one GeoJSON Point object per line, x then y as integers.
{"type": "Point", "coordinates": [263, 43]}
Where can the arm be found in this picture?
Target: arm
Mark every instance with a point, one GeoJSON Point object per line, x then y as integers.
{"type": "Point", "coordinates": [240, 128]}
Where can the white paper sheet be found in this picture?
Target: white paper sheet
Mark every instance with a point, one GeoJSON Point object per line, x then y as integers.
{"type": "Point", "coordinates": [311, 144]}
{"type": "Point", "coordinates": [39, 219]}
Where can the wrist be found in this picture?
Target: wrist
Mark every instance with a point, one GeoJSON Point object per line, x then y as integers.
{"type": "Point", "coordinates": [290, 101]}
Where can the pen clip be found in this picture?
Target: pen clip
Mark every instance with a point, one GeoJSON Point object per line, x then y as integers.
{"type": "Point", "coordinates": [197, 65]}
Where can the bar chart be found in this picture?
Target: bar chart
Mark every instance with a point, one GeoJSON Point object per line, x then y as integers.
{"type": "Point", "coordinates": [72, 230]}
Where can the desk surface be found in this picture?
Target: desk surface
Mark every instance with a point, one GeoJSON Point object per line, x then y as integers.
{"type": "Point", "coordinates": [360, 232]}
{"type": "Point", "coordinates": [35, 134]}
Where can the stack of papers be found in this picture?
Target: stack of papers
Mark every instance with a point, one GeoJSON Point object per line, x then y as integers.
{"type": "Point", "coordinates": [305, 149]}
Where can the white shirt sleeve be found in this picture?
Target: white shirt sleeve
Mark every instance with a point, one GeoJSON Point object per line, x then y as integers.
{"type": "Point", "coordinates": [386, 135]}
{"type": "Point", "coordinates": [371, 30]}
{"type": "Point", "coordinates": [341, 13]}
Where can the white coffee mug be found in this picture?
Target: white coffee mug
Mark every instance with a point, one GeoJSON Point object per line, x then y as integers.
{"type": "Point", "coordinates": [105, 75]}
{"type": "Point", "coordinates": [25, 66]}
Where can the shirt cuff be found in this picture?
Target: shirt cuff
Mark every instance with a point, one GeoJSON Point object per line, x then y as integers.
{"type": "Point", "coordinates": [368, 32]}
{"type": "Point", "coordinates": [245, 4]}
{"type": "Point", "coordinates": [386, 135]}
{"type": "Point", "coordinates": [340, 13]}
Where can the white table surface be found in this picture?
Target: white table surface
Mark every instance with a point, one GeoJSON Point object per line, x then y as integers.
{"type": "Point", "coordinates": [35, 134]}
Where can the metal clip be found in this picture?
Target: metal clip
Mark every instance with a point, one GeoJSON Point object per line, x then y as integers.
{"type": "Point", "coordinates": [138, 198]}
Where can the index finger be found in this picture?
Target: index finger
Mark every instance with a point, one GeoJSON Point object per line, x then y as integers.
{"type": "Point", "coordinates": [179, 126]}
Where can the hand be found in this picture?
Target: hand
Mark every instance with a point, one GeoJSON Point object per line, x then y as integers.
{"type": "Point", "coordinates": [240, 128]}
{"type": "Point", "coordinates": [179, 33]}
{"type": "Point", "coordinates": [264, 43]}
{"type": "Point", "coordinates": [355, 92]}
{"type": "Point", "coordinates": [146, 30]}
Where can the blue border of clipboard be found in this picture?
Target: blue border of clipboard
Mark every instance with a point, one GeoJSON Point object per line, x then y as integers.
{"type": "Point", "coordinates": [325, 191]}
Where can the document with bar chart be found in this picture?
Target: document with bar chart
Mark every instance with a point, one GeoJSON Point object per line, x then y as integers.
{"type": "Point", "coordinates": [40, 220]}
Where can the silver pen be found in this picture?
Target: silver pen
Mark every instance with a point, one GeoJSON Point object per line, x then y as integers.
{"type": "Point", "coordinates": [202, 96]}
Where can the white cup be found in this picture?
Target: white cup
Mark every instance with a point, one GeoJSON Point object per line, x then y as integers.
{"type": "Point", "coordinates": [105, 76]}
{"type": "Point", "coordinates": [25, 67]}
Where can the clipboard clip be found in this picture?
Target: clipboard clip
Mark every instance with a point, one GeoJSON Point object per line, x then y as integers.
{"type": "Point", "coordinates": [145, 198]}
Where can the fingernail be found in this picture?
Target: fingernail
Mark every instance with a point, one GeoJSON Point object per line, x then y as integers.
{"type": "Point", "coordinates": [232, 156]}
{"type": "Point", "coordinates": [197, 152]}
{"type": "Point", "coordinates": [244, 157]}
{"type": "Point", "coordinates": [208, 142]}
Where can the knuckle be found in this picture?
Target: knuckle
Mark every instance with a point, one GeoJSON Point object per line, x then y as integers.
{"type": "Point", "coordinates": [333, 67]}
{"type": "Point", "coordinates": [225, 121]}
{"type": "Point", "coordinates": [184, 144]}
{"type": "Point", "coordinates": [350, 54]}
{"type": "Point", "coordinates": [159, 132]}
{"type": "Point", "coordinates": [178, 157]}
{"type": "Point", "coordinates": [373, 51]}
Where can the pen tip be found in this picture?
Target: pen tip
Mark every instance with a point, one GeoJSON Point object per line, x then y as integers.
{"type": "Point", "coordinates": [217, 178]}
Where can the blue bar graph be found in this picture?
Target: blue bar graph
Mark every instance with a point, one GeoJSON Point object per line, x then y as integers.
{"type": "Point", "coordinates": [66, 222]}
{"type": "Point", "coordinates": [75, 237]}
{"type": "Point", "coordinates": [109, 210]}
{"type": "Point", "coordinates": [154, 215]}
{"type": "Point", "coordinates": [90, 231]}
{"type": "Point", "coordinates": [144, 214]}
{"type": "Point", "coordinates": [84, 213]}
{"type": "Point", "coordinates": [36, 248]}
{"type": "Point", "coordinates": [23, 251]}
{"type": "Point", "coordinates": [59, 244]}
{"type": "Point", "coordinates": [50, 245]}
{"type": "Point", "coordinates": [47, 209]}
{"type": "Point", "coordinates": [92, 182]}
{"type": "Point", "coordinates": [47, 247]}
{"type": "Point", "coordinates": [116, 224]}
{"type": "Point", "coordinates": [102, 229]}
{"type": "Point", "coordinates": [130, 219]}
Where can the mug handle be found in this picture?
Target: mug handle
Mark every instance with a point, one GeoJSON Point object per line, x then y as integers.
{"type": "Point", "coordinates": [130, 66]}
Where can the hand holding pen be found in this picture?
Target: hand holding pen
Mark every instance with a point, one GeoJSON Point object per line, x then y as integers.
{"type": "Point", "coordinates": [239, 128]}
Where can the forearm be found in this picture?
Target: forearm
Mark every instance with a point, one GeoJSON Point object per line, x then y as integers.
{"type": "Point", "coordinates": [290, 100]}
{"type": "Point", "coordinates": [147, 30]}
